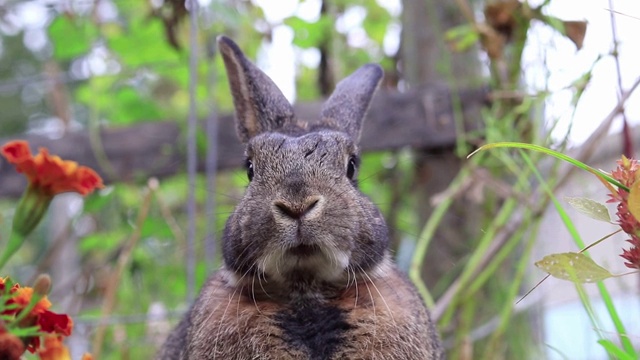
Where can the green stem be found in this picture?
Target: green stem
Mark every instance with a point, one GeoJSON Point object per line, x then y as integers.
{"type": "Point", "coordinates": [415, 270]}
{"type": "Point", "coordinates": [30, 210]}
{"type": "Point", "coordinates": [555, 154]}
{"type": "Point", "coordinates": [475, 261]}
{"type": "Point", "coordinates": [14, 243]}
{"type": "Point", "coordinates": [617, 322]}
{"type": "Point", "coordinates": [512, 293]}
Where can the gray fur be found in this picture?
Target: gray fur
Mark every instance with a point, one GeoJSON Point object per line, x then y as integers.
{"type": "Point", "coordinates": [350, 101]}
{"type": "Point", "coordinates": [307, 273]}
{"type": "Point", "coordinates": [260, 105]}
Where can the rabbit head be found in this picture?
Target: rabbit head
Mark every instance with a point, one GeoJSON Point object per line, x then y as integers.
{"type": "Point", "coordinates": [302, 218]}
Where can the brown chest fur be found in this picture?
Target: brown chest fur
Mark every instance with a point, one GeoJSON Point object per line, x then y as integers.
{"type": "Point", "coordinates": [378, 319]}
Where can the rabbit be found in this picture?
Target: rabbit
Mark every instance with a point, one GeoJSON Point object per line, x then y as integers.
{"type": "Point", "coordinates": [307, 272]}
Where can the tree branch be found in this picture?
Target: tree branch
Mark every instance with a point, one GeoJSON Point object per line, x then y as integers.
{"type": "Point", "coordinates": [422, 118]}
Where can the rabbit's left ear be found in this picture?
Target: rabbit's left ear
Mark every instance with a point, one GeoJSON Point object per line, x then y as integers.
{"type": "Point", "coordinates": [348, 104]}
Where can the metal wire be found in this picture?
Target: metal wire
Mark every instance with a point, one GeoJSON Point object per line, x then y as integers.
{"type": "Point", "coordinates": [211, 161]}
{"type": "Point", "coordinates": [192, 156]}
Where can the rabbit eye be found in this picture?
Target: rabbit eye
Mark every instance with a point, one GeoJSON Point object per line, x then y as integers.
{"type": "Point", "coordinates": [249, 166]}
{"type": "Point", "coordinates": [351, 167]}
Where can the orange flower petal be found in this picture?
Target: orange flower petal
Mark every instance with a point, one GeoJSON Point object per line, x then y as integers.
{"type": "Point", "coordinates": [53, 349]}
{"type": "Point", "coordinates": [49, 172]}
{"type": "Point", "coordinates": [16, 151]}
{"type": "Point", "coordinates": [23, 297]}
{"type": "Point", "coordinates": [18, 154]}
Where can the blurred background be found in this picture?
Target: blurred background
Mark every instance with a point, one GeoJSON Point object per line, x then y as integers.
{"type": "Point", "coordinates": [136, 90]}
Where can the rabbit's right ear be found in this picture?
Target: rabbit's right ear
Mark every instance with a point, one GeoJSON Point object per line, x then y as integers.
{"type": "Point", "coordinates": [348, 105]}
{"type": "Point", "coordinates": [260, 105]}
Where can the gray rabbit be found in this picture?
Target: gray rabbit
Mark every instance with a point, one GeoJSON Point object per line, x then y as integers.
{"type": "Point", "coordinates": [307, 273]}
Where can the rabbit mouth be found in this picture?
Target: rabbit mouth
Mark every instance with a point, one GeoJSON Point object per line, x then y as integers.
{"type": "Point", "coordinates": [303, 250]}
{"type": "Point", "coordinates": [317, 261]}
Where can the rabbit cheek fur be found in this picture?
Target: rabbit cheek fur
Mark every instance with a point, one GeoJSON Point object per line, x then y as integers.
{"type": "Point", "coordinates": [307, 273]}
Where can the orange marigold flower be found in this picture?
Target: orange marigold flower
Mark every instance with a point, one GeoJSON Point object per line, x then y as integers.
{"type": "Point", "coordinates": [53, 349]}
{"type": "Point", "coordinates": [22, 299]}
{"type": "Point", "coordinates": [49, 172]}
{"type": "Point", "coordinates": [39, 315]}
{"type": "Point", "coordinates": [87, 356]}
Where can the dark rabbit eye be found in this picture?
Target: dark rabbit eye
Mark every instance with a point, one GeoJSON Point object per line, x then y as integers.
{"type": "Point", "coordinates": [351, 167]}
{"type": "Point", "coordinates": [249, 166]}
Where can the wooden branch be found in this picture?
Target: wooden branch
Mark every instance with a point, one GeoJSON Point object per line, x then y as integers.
{"type": "Point", "coordinates": [421, 119]}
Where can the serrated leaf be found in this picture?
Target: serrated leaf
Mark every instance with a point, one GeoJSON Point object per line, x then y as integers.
{"type": "Point", "coordinates": [574, 267]}
{"type": "Point", "coordinates": [591, 208]}
{"type": "Point", "coordinates": [633, 202]}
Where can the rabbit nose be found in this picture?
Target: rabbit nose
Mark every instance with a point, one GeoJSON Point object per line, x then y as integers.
{"type": "Point", "coordinates": [308, 208]}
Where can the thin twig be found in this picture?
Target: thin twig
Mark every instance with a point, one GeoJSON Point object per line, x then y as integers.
{"type": "Point", "coordinates": [165, 211]}
{"type": "Point", "coordinates": [123, 260]}
{"type": "Point", "coordinates": [616, 58]}
{"type": "Point", "coordinates": [586, 151]}
{"type": "Point", "coordinates": [497, 243]}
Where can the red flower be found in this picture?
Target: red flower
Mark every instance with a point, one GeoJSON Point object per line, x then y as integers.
{"type": "Point", "coordinates": [632, 255]}
{"type": "Point", "coordinates": [55, 323]}
{"type": "Point", "coordinates": [39, 314]}
{"type": "Point", "coordinates": [627, 173]}
{"type": "Point", "coordinates": [50, 173]}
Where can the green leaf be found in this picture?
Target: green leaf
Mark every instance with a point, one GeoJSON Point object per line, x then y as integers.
{"type": "Point", "coordinates": [376, 22]}
{"type": "Point", "coordinates": [142, 42]}
{"type": "Point", "coordinates": [104, 241]}
{"type": "Point", "coordinates": [71, 36]}
{"type": "Point", "coordinates": [633, 202]}
{"type": "Point", "coordinates": [574, 267]}
{"type": "Point", "coordinates": [462, 37]}
{"type": "Point", "coordinates": [556, 154]}
{"type": "Point", "coordinates": [309, 34]}
{"type": "Point", "coordinates": [591, 208]}
{"type": "Point", "coordinates": [24, 331]}
{"type": "Point", "coordinates": [614, 350]}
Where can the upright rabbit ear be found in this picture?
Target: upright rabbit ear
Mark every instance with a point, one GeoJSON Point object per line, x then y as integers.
{"type": "Point", "coordinates": [348, 104]}
{"type": "Point", "coordinates": [260, 105]}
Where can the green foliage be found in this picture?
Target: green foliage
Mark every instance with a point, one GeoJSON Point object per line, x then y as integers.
{"type": "Point", "coordinates": [72, 37]}
{"type": "Point", "coordinates": [574, 267]}
{"type": "Point", "coordinates": [591, 208]}
{"type": "Point", "coordinates": [310, 34]}
{"type": "Point", "coordinates": [148, 80]}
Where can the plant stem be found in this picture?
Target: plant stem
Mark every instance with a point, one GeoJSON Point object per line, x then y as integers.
{"type": "Point", "coordinates": [415, 270]}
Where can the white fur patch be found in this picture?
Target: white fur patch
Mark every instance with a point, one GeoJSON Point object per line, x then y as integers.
{"type": "Point", "coordinates": [329, 264]}
{"type": "Point", "coordinates": [382, 269]}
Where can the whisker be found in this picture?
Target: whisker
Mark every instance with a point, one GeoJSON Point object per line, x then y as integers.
{"type": "Point", "coordinates": [383, 299]}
